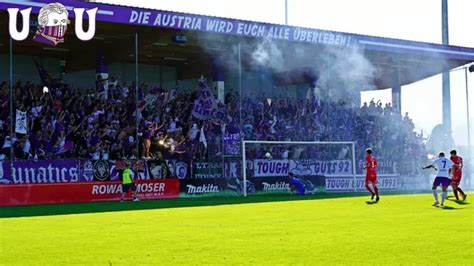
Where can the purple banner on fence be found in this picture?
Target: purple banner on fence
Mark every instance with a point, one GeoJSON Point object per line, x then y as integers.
{"type": "Point", "coordinates": [232, 169]}
{"type": "Point", "coordinates": [232, 144]}
{"type": "Point", "coordinates": [35, 172]}
{"type": "Point", "coordinates": [5, 172]}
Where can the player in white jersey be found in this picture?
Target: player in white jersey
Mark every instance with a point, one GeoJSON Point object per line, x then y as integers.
{"type": "Point", "coordinates": [443, 166]}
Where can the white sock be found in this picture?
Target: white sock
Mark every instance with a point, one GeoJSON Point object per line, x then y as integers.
{"type": "Point", "coordinates": [444, 195]}
{"type": "Point", "coordinates": [435, 195]}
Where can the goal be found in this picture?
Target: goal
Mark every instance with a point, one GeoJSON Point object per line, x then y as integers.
{"type": "Point", "coordinates": [319, 161]}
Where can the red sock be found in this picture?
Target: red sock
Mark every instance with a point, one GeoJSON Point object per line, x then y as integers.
{"type": "Point", "coordinates": [455, 192]}
{"type": "Point", "coordinates": [460, 190]}
{"type": "Point", "coordinates": [376, 189]}
{"type": "Point", "coordinates": [368, 188]}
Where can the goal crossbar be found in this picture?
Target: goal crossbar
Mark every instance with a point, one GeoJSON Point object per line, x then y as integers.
{"type": "Point", "coordinates": [296, 142]}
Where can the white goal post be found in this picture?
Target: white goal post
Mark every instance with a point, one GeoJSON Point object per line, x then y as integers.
{"type": "Point", "coordinates": [246, 142]}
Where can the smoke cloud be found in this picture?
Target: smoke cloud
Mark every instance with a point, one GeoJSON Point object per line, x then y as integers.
{"type": "Point", "coordinates": [340, 70]}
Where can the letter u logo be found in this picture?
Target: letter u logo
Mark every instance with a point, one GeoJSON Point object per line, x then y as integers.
{"type": "Point", "coordinates": [85, 36]}
{"type": "Point", "coordinates": [23, 34]}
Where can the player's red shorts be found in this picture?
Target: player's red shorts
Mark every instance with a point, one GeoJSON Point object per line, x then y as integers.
{"type": "Point", "coordinates": [371, 178]}
{"type": "Point", "coordinates": [456, 180]}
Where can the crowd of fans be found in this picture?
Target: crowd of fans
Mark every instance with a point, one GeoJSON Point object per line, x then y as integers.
{"type": "Point", "coordinates": [392, 136]}
{"type": "Point", "coordinates": [93, 124]}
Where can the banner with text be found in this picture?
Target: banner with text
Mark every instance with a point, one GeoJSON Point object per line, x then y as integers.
{"type": "Point", "coordinates": [243, 28]}
{"type": "Point", "coordinates": [66, 171]}
{"type": "Point", "coordinates": [34, 172]}
{"type": "Point", "coordinates": [207, 169]}
{"type": "Point", "coordinates": [231, 144]}
{"type": "Point", "coordinates": [33, 194]}
{"type": "Point", "coordinates": [262, 168]}
{"type": "Point", "coordinates": [216, 169]}
{"type": "Point", "coordinates": [281, 184]}
{"type": "Point", "coordinates": [191, 22]}
{"type": "Point", "coordinates": [197, 187]}
{"type": "Point", "coordinates": [347, 184]}
{"type": "Point", "coordinates": [21, 123]}
{"type": "Point", "coordinates": [5, 171]}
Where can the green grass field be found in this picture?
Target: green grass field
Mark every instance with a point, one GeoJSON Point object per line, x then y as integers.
{"type": "Point", "coordinates": [399, 230]}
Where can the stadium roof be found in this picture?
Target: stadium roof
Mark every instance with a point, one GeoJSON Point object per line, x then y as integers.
{"type": "Point", "coordinates": [415, 60]}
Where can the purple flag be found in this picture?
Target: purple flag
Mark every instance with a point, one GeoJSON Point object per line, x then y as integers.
{"type": "Point", "coordinates": [205, 105]}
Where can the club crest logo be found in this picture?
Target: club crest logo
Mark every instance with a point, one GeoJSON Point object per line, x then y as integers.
{"type": "Point", "coordinates": [101, 170]}
{"type": "Point", "coordinates": [301, 168]}
{"type": "Point", "coordinates": [88, 171]}
{"type": "Point", "coordinates": [52, 23]}
{"type": "Point", "coordinates": [181, 170]}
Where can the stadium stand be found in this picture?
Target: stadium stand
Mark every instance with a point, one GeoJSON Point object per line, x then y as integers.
{"type": "Point", "coordinates": [86, 124]}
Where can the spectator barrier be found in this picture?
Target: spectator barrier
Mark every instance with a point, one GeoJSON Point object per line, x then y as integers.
{"type": "Point", "coordinates": [68, 181]}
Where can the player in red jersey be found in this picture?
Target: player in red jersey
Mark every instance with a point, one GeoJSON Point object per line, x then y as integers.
{"type": "Point", "coordinates": [457, 175]}
{"type": "Point", "coordinates": [371, 174]}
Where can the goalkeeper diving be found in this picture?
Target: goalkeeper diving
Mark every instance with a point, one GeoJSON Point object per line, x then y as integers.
{"type": "Point", "coordinates": [300, 185]}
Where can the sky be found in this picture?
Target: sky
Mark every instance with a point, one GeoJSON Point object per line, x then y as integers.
{"type": "Point", "coordinates": [418, 20]}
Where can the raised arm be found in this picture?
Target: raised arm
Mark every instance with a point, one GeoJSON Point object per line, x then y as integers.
{"type": "Point", "coordinates": [429, 166]}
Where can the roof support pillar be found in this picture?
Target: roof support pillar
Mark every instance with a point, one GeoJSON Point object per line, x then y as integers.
{"type": "Point", "coordinates": [218, 79]}
{"type": "Point", "coordinates": [446, 79]}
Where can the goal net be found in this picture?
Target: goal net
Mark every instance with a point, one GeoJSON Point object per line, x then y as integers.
{"type": "Point", "coordinates": [319, 166]}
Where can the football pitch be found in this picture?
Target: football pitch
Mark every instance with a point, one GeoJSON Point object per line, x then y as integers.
{"type": "Point", "coordinates": [399, 230]}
